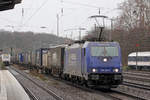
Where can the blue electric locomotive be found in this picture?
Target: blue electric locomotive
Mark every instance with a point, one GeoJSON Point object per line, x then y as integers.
{"type": "Point", "coordinates": [94, 63]}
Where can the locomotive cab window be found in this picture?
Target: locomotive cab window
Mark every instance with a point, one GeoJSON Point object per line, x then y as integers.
{"type": "Point", "coordinates": [104, 51]}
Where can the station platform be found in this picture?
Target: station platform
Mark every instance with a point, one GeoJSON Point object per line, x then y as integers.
{"type": "Point", "coordinates": [10, 89]}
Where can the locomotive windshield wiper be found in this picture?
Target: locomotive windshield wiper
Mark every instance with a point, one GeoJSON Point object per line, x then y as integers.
{"type": "Point", "coordinates": [105, 52]}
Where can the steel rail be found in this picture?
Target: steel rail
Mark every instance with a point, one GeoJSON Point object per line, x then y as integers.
{"type": "Point", "coordinates": [136, 85]}
{"type": "Point", "coordinates": [128, 95]}
{"type": "Point", "coordinates": [30, 93]}
{"type": "Point", "coordinates": [45, 89]}
{"type": "Point", "coordinates": [108, 94]}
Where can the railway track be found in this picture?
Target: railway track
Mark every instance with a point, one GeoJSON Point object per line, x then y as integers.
{"type": "Point", "coordinates": [112, 97]}
{"type": "Point", "coordinates": [112, 94]}
{"type": "Point", "coordinates": [45, 89]}
{"type": "Point", "coordinates": [127, 95]}
{"type": "Point", "coordinates": [28, 91]}
{"type": "Point", "coordinates": [137, 81]}
{"type": "Point", "coordinates": [91, 90]}
{"type": "Point", "coordinates": [139, 88]}
{"type": "Point", "coordinates": [142, 74]}
{"type": "Point", "coordinates": [137, 78]}
{"type": "Point", "coordinates": [139, 72]}
{"type": "Point", "coordinates": [136, 85]}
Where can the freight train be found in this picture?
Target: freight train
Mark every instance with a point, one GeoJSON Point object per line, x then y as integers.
{"type": "Point", "coordinates": [95, 64]}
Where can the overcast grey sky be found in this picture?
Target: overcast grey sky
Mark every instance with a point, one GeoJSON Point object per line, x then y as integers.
{"type": "Point", "coordinates": [38, 13]}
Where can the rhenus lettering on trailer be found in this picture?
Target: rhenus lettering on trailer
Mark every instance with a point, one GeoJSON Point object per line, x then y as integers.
{"type": "Point", "coordinates": [72, 59]}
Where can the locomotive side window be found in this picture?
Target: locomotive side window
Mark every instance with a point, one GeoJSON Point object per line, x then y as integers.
{"type": "Point", "coordinates": [104, 51]}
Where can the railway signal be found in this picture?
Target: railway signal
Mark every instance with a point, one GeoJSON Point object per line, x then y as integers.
{"type": "Point", "coordinates": [137, 45]}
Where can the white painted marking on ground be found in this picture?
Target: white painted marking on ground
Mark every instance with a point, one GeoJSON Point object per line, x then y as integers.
{"type": "Point", "coordinates": [10, 89]}
{"type": "Point", "coordinates": [3, 92]}
{"type": "Point", "coordinates": [14, 89]}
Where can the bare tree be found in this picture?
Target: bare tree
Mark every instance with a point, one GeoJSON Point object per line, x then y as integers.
{"type": "Point", "coordinates": [135, 14]}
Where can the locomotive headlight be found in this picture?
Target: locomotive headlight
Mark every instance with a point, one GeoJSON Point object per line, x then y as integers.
{"type": "Point", "coordinates": [105, 59]}
{"type": "Point", "coordinates": [116, 70]}
{"type": "Point", "coordinates": [94, 70]}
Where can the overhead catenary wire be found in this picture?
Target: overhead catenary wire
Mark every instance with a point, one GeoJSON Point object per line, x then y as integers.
{"type": "Point", "coordinates": [81, 4]}
{"type": "Point", "coordinates": [88, 5]}
{"type": "Point", "coordinates": [42, 5]}
{"type": "Point", "coordinates": [64, 1]}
